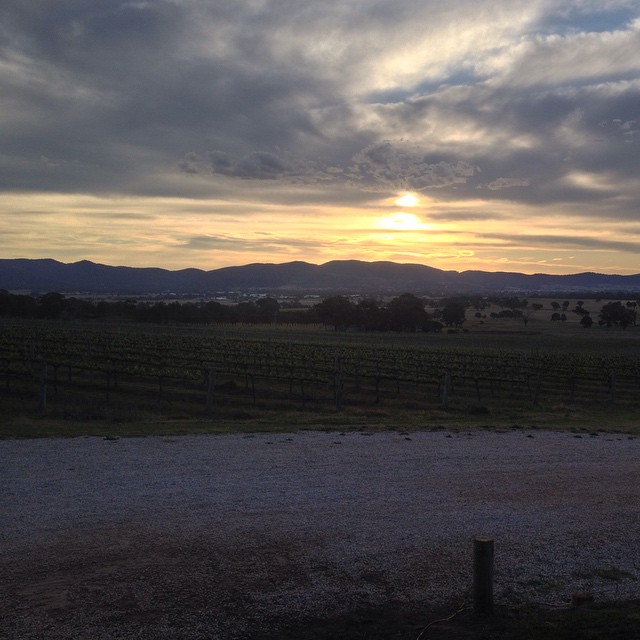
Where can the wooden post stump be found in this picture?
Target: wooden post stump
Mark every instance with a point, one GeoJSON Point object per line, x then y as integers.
{"type": "Point", "coordinates": [483, 575]}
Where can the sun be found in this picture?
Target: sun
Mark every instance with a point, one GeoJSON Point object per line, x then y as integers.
{"type": "Point", "coordinates": [407, 200]}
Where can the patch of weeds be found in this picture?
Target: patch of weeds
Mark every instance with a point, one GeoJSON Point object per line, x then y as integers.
{"type": "Point", "coordinates": [478, 410]}
{"type": "Point", "coordinates": [543, 585]}
{"type": "Point", "coordinates": [376, 414]}
{"type": "Point", "coordinates": [413, 406]}
{"type": "Point", "coordinates": [240, 415]}
{"type": "Point", "coordinates": [614, 574]}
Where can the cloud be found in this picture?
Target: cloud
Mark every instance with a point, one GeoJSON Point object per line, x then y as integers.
{"type": "Point", "coordinates": [211, 242]}
{"type": "Point", "coordinates": [115, 95]}
{"type": "Point", "coordinates": [575, 58]}
{"type": "Point", "coordinates": [262, 243]}
{"type": "Point", "coordinates": [383, 164]}
{"type": "Point", "coordinates": [465, 216]}
{"type": "Point", "coordinates": [582, 242]}
{"type": "Point", "coordinates": [378, 167]}
{"type": "Point", "coordinates": [260, 165]}
{"type": "Point", "coordinates": [508, 183]}
{"type": "Point", "coordinates": [292, 102]}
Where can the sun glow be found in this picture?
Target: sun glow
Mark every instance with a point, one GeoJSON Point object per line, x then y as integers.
{"type": "Point", "coordinates": [407, 200]}
{"type": "Point", "coordinates": [402, 222]}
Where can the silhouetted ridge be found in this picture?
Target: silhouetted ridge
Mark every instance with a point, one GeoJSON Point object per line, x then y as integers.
{"type": "Point", "coordinates": [336, 276]}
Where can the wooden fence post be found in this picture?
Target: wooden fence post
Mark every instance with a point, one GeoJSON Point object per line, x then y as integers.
{"type": "Point", "coordinates": [338, 383]}
{"type": "Point", "coordinates": [210, 388]}
{"type": "Point", "coordinates": [538, 389]}
{"type": "Point", "coordinates": [612, 388]}
{"type": "Point", "coordinates": [483, 575]}
{"type": "Point", "coordinates": [43, 386]}
{"type": "Point", "coordinates": [445, 389]}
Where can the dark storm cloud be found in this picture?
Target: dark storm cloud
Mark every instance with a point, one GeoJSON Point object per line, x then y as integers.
{"type": "Point", "coordinates": [383, 164]}
{"type": "Point", "coordinates": [258, 165]}
{"type": "Point", "coordinates": [379, 167]}
{"type": "Point", "coordinates": [112, 91]}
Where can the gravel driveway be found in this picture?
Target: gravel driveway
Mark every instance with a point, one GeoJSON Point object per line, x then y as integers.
{"type": "Point", "coordinates": [222, 536]}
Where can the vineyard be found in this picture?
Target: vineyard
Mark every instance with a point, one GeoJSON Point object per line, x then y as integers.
{"type": "Point", "coordinates": [211, 371]}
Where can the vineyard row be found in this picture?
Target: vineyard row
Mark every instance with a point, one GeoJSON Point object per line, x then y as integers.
{"type": "Point", "coordinates": [211, 367]}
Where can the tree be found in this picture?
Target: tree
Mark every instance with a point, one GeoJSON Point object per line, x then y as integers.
{"type": "Point", "coordinates": [369, 316]}
{"type": "Point", "coordinates": [406, 313]}
{"type": "Point", "coordinates": [51, 305]}
{"type": "Point", "coordinates": [510, 302]}
{"type": "Point", "coordinates": [336, 311]}
{"type": "Point", "coordinates": [214, 311]}
{"type": "Point", "coordinates": [14, 305]}
{"type": "Point", "coordinates": [617, 314]}
{"type": "Point", "coordinates": [268, 309]}
{"type": "Point", "coordinates": [586, 321]}
{"type": "Point", "coordinates": [432, 325]}
{"type": "Point", "coordinates": [454, 313]}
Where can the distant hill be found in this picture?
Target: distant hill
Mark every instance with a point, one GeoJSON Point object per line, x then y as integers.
{"type": "Point", "coordinates": [338, 276]}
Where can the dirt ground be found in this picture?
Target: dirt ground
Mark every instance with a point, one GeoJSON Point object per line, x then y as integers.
{"type": "Point", "coordinates": [316, 536]}
{"type": "Point", "coordinates": [167, 591]}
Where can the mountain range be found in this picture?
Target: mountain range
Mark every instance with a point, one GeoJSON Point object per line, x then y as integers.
{"type": "Point", "coordinates": [335, 277]}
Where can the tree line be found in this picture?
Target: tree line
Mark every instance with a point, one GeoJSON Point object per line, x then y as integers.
{"type": "Point", "coordinates": [403, 313]}
{"type": "Point", "coordinates": [407, 312]}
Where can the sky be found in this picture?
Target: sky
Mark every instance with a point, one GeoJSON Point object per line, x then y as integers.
{"type": "Point", "coordinates": [500, 135]}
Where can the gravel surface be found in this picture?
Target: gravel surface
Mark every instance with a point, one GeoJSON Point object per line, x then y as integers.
{"type": "Point", "coordinates": [224, 536]}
